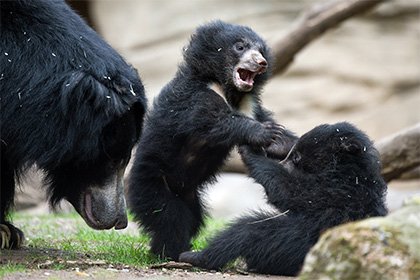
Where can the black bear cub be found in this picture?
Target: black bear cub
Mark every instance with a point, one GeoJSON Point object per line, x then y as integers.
{"type": "Point", "coordinates": [211, 105]}
{"type": "Point", "coordinates": [70, 105]}
{"type": "Point", "coordinates": [331, 176]}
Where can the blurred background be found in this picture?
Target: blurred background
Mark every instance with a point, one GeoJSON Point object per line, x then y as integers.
{"type": "Point", "coordinates": [366, 71]}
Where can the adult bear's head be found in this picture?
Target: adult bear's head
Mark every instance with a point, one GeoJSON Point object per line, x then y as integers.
{"type": "Point", "coordinates": [100, 121]}
{"type": "Point", "coordinates": [69, 104]}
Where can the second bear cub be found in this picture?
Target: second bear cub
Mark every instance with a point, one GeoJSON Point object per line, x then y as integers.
{"type": "Point", "coordinates": [331, 176]}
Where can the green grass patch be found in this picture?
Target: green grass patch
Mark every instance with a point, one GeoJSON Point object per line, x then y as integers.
{"type": "Point", "coordinates": [66, 237]}
{"type": "Point", "coordinates": [211, 228]}
{"type": "Point", "coordinates": [10, 268]}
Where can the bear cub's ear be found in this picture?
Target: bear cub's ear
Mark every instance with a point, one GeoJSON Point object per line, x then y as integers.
{"type": "Point", "coordinates": [352, 146]}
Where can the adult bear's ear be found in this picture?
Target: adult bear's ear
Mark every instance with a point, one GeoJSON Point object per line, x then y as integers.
{"type": "Point", "coordinates": [83, 95]}
{"type": "Point", "coordinates": [94, 102]}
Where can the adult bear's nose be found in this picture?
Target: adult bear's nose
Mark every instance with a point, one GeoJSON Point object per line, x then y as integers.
{"type": "Point", "coordinates": [104, 207]}
{"type": "Point", "coordinates": [121, 223]}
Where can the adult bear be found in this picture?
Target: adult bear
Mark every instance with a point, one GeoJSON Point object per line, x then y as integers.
{"type": "Point", "coordinates": [212, 104]}
{"type": "Point", "coordinates": [69, 104]}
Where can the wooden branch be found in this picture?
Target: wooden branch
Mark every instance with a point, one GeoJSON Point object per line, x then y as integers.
{"type": "Point", "coordinates": [411, 174]}
{"type": "Point", "coordinates": [400, 152]}
{"type": "Point", "coordinates": [312, 24]}
{"type": "Point", "coordinates": [172, 265]}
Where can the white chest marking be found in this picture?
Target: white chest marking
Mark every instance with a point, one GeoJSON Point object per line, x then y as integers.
{"type": "Point", "coordinates": [219, 90]}
{"type": "Point", "coordinates": [246, 106]}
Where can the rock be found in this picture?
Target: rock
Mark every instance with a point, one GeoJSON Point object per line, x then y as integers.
{"type": "Point", "coordinates": [375, 248]}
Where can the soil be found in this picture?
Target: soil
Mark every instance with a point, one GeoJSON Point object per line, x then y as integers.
{"type": "Point", "coordinates": [51, 264]}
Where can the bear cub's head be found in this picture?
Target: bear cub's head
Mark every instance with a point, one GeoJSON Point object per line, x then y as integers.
{"type": "Point", "coordinates": [231, 55]}
{"type": "Point", "coordinates": [339, 147]}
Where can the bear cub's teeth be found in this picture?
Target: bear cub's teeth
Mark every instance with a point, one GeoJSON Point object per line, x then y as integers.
{"type": "Point", "coordinates": [247, 76]}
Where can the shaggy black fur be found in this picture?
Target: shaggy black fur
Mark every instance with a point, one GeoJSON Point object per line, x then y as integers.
{"type": "Point", "coordinates": [332, 176]}
{"type": "Point", "coordinates": [69, 104]}
{"type": "Point", "coordinates": [210, 106]}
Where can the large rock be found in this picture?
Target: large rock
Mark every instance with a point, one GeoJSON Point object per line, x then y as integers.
{"type": "Point", "coordinates": [377, 248]}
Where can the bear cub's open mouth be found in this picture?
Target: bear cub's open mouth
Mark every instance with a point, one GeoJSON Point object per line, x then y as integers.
{"type": "Point", "coordinates": [244, 78]}
{"type": "Point", "coordinates": [252, 64]}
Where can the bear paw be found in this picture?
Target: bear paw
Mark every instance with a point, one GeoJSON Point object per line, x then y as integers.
{"type": "Point", "coordinates": [10, 237]}
{"type": "Point", "coordinates": [194, 258]}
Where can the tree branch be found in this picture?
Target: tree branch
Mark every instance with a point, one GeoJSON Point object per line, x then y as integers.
{"type": "Point", "coordinates": [400, 152]}
{"type": "Point", "coordinates": [313, 23]}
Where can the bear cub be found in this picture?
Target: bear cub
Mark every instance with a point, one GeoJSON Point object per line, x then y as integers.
{"type": "Point", "coordinates": [331, 176]}
{"type": "Point", "coordinates": [211, 105]}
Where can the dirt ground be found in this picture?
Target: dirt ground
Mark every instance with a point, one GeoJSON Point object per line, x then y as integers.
{"type": "Point", "coordinates": [127, 274]}
{"type": "Point", "coordinates": [50, 264]}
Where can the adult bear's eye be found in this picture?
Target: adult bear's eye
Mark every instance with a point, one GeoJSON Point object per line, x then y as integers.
{"type": "Point", "coordinates": [114, 163]}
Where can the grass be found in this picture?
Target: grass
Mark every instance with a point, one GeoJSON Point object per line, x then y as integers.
{"type": "Point", "coordinates": [9, 268]}
{"type": "Point", "coordinates": [211, 228]}
{"type": "Point", "coordinates": [63, 238]}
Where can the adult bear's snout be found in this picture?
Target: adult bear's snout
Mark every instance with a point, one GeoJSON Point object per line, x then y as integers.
{"type": "Point", "coordinates": [104, 207]}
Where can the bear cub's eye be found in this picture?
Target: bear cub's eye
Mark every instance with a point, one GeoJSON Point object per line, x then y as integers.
{"type": "Point", "coordinates": [239, 46]}
{"type": "Point", "coordinates": [296, 158]}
